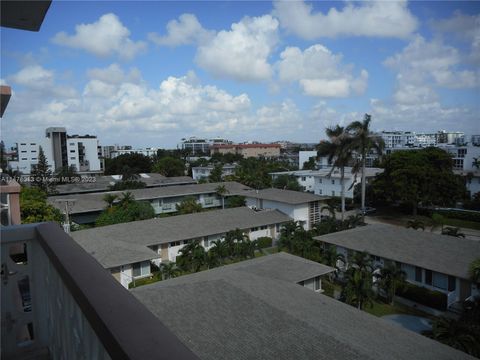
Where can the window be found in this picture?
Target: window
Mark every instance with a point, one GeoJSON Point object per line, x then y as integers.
{"type": "Point", "coordinates": [33, 151]}
{"type": "Point", "coordinates": [72, 158]}
{"type": "Point", "coordinates": [254, 229]}
{"type": "Point", "coordinates": [418, 274]}
{"type": "Point", "coordinates": [333, 181]}
{"type": "Point", "coordinates": [24, 151]}
{"type": "Point", "coordinates": [23, 144]}
{"type": "Point", "coordinates": [428, 277]}
{"type": "Point", "coordinates": [141, 269]}
{"type": "Point", "coordinates": [320, 181]}
{"type": "Point", "coordinates": [333, 193]}
{"type": "Point", "coordinates": [304, 178]}
{"type": "Point", "coordinates": [452, 283]}
{"type": "Point", "coordinates": [72, 151]}
{"type": "Point", "coordinates": [175, 243]}
{"type": "Point", "coordinates": [34, 158]}
{"type": "Point", "coordinates": [320, 191]}
{"type": "Point", "coordinates": [33, 144]}
{"type": "Point", "coordinates": [317, 283]}
{"type": "Point", "coordinates": [440, 280]}
{"type": "Point", "coordinates": [24, 159]}
{"type": "Point", "coordinates": [72, 144]}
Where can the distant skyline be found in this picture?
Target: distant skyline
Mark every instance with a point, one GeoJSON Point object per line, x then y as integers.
{"type": "Point", "coordinates": [150, 73]}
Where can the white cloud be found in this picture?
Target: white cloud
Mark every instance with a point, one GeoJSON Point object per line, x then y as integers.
{"type": "Point", "coordinates": [187, 30]}
{"type": "Point", "coordinates": [105, 37]}
{"type": "Point", "coordinates": [369, 18]}
{"type": "Point", "coordinates": [33, 76]}
{"type": "Point", "coordinates": [422, 63]}
{"type": "Point", "coordinates": [320, 72]}
{"type": "Point", "coordinates": [241, 53]}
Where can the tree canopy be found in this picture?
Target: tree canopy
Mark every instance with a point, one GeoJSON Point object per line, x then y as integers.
{"type": "Point", "coordinates": [34, 207]}
{"type": "Point", "coordinates": [419, 177]}
{"type": "Point", "coordinates": [126, 210]}
{"type": "Point", "coordinates": [42, 175]}
{"type": "Point", "coordinates": [169, 166]}
{"type": "Point", "coordinates": [287, 182]}
{"type": "Point", "coordinates": [189, 205]}
{"type": "Point", "coordinates": [138, 163]}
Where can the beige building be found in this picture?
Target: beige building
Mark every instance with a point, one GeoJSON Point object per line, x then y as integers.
{"type": "Point", "coordinates": [247, 150]}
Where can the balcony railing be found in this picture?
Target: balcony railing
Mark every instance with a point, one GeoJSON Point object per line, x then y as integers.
{"type": "Point", "coordinates": [59, 303]}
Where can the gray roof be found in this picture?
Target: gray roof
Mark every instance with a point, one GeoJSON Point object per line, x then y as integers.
{"type": "Point", "coordinates": [446, 254]}
{"type": "Point", "coordinates": [112, 252]}
{"type": "Point", "coordinates": [183, 227]}
{"type": "Point", "coordinates": [283, 196]}
{"type": "Point", "coordinates": [369, 172]}
{"type": "Point", "coordinates": [237, 314]}
{"type": "Point", "coordinates": [102, 183]}
{"type": "Point", "coordinates": [94, 201]}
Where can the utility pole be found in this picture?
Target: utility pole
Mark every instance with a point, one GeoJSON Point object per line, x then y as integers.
{"type": "Point", "coordinates": [69, 203]}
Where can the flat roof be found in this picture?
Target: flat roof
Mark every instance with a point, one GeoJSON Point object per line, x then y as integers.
{"type": "Point", "coordinates": [369, 172]}
{"type": "Point", "coordinates": [284, 196]}
{"type": "Point", "coordinates": [243, 311]}
{"type": "Point", "coordinates": [94, 201]}
{"type": "Point", "coordinates": [183, 227]}
{"type": "Point", "coordinates": [442, 253]}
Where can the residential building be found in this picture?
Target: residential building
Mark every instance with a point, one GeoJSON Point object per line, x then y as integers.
{"type": "Point", "coordinates": [88, 206]}
{"type": "Point", "coordinates": [463, 156]}
{"type": "Point", "coordinates": [103, 183]}
{"type": "Point", "coordinates": [304, 156]}
{"type": "Point", "coordinates": [257, 309]}
{"type": "Point", "coordinates": [200, 146]}
{"type": "Point", "coordinates": [61, 150]}
{"type": "Point", "coordinates": [203, 172]}
{"type": "Point", "coordinates": [149, 151]}
{"type": "Point", "coordinates": [475, 140]}
{"type": "Point", "coordinates": [300, 206]}
{"type": "Point", "coordinates": [394, 139]}
{"type": "Point", "coordinates": [110, 149]}
{"type": "Point", "coordinates": [248, 150]}
{"type": "Point", "coordinates": [126, 261]}
{"type": "Point", "coordinates": [437, 262]}
{"type": "Point", "coordinates": [167, 236]}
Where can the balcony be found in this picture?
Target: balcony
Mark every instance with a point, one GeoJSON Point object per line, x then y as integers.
{"type": "Point", "coordinates": [59, 303]}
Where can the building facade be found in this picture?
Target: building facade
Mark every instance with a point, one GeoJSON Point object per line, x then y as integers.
{"type": "Point", "coordinates": [248, 150]}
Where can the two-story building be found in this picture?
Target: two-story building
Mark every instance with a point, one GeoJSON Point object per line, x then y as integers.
{"type": "Point", "coordinates": [437, 262]}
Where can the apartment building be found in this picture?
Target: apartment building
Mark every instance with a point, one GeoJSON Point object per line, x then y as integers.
{"type": "Point", "coordinates": [437, 262]}
{"type": "Point", "coordinates": [203, 172]}
{"type": "Point", "coordinates": [201, 146]}
{"type": "Point", "coordinates": [248, 150]}
{"type": "Point", "coordinates": [61, 150]}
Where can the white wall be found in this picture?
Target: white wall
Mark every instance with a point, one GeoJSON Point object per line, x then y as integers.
{"type": "Point", "coordinates": [296, 212]}
{"type": "Point", "coordinates": [332, 186]}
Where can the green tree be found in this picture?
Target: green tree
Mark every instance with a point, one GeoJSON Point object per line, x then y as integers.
{"type": "Point", "coordinates": [169, 166]}
{"type": "Point", "coordinates": [42, 175]}
{"type": "Point", "coordinates": [126, 210]}
{"type": "Point", "coordinates": [338, 149]}
{"type": "Point", "coordinates": [138, 163]}
{"type": "Point", "coordinates": [287, 182]}
{"type": "Point", "coordinates": [216, 174]}
{"type": "Point", "coordinates": [221, 191]}
{"type": "Point", "coordinates": [419, 177]}
{"type": "Point", "coordinates": [191, 256]}
{"type": "Point", "coordinates": [110, 199]}
{"type": "Point", "coordinates": [364, 142]}
{"type": "Point", "coordinates": [311, 164]}
{"type": "Point", "coordinates": [169, 270]}
{"type": "Point", "coordinates": [236, 201]}
{"type": "Point", "coordinates": [219, 247]}
{"type": "Point", "coordinates": [189, 205]}
{"type": "Point", "coordinates": [474, 271]}
{"type": "Point", "coordinates": [35, 208]}
{"type": "Point", "coordinates": [390, 278]}
{"type": "Point", "coordinates": [357, 290]}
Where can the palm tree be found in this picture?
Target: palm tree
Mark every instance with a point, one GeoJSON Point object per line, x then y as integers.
{"type": "Point", "coordinates": [220, 248]}
{"type": "Point", "coordinates": [457, 334]}
{"type": "Point", "coordinates": [358, 288]}
{"type": "Point", "coordinates": [390, 278]}
{"type": "Point", "coordinates": [330, 208]}
{"type": "Point", "coordinates": [416, 224]}
{"type": "Point", "coordinates": [365, 141]}
{"type": "Point", "coordinates": [331, 258]}
{"type": "Point", "coordinates": [339, 150]}
{"type": "Point", "coordinates": [221, 190]}
{"type": "Point", "coordinates": [127, 198]}
{"type": "Point", "coordinates": [110, 199]}
{"type": "Point", "coordinates": [452, 231]}
{"type": "Point", "coordinates": [169, 270]}
{"type": "Point", "coordinates": [287, 235]}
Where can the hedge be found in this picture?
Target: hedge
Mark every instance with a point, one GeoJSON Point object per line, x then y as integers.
{"type": "Point", "coordinates": [424, 296]}
{"type": "Point", "coordinates": [453, 214]}
{"type": "Point", "coordinates": [264, 242]}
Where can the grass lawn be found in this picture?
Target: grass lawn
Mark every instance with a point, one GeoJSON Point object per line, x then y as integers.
{"type": "Point", "coordinates": [462, 223]}
{"type": "Point", "coordinates": [381, 309]}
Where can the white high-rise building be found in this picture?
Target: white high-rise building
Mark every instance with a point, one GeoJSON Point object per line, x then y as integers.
{"type": "Point", "coordinates": [61, 150]}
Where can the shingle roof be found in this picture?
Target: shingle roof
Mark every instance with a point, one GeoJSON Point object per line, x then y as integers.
{"type": "Point", "coordinates": [183, 227]}
{"type": "Point", "coordinates": [283, 196]}
{"type": "Point", "coordinates": [442, 253]}
{"type": "Point", "coordinates": [94, 201]}
{"type": "Point", "coordinates": [236, 314]}
{"type": "Point", "coordinates": [102, 183]}
{"type": "Point", "coordinates": [369, 172]}
{"type": "Point", "coordinates": [111, 252]}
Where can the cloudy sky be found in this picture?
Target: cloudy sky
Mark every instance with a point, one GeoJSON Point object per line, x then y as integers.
{"type": "Point", "coordinates": [150, 73]}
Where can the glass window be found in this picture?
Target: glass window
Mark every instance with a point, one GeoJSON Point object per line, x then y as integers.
{"type": "Point", "coordinates": [320, 181]}
{"type": "Point", "coordinates": [136, 270]}
{"type": "Point", "coordinates": [317, 283]}
{"type": "Point", "coordinates": [440, 280]}
{"type": "Point", "coordinates": [428, 277]}
{"type": "Point", "coordinates": [452, 283]}
{"type": "Point", "coordinates": [333, 181]}
{"type": "Point", "coordinates": [418, 274]}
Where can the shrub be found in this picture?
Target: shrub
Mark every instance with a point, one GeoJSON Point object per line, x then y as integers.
{"type": "Point", "coordinates": [424, 296]}
{"type": "Point", "coordinates": [264, 242]}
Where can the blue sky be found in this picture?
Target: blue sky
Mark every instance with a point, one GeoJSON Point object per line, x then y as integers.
{"type": "Point", "coordinates": [150, 73]}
